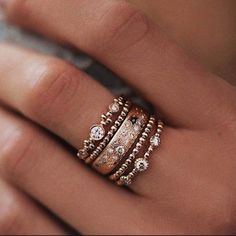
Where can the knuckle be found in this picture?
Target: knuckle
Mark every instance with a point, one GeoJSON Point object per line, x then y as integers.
{"type": "Point", "coordinates": [120, 27]}
{"type": "Point", "coordinates": [16, 155]}
{"type": "Point", "coordinates": [52, 92]}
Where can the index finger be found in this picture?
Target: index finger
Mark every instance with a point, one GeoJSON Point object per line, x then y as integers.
{"type": "Point", "coordinates": [124, 39]}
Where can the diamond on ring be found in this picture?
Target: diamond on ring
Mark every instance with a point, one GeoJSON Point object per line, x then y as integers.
{"type": "Point", "coordinates": [97, 132]}
{"type": "Point", "coordinates": [114, 107]}
{"type": "Point", "coordinates": [120, 150]}
{"type": "Point", "coordinates": [155, 140]}
{"type": "Point", "coordinates": [141, 164]}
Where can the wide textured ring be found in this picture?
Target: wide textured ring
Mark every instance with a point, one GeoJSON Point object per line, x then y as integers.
{"type": "Point", "coordinates": [139, 145]}
{"type": "Point", "coordinates": [122, 141]}
{"type": "Point", "coordinates": [121, 145]}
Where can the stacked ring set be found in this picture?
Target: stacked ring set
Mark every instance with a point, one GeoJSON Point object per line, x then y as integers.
{"type": "Point", "coordinates": [121, 144]}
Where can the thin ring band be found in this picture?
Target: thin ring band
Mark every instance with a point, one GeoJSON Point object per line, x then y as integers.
{"type": "Point", "coordinates": [141, 164]}
{"type": "Point", "coordinates": [110, 133]}
{"type": "Point", "coordinates": [135, 151]}
{"type": "Point", "coordinates": [97, 132]}
{"type": "Point", "coordinates": [122, 141]}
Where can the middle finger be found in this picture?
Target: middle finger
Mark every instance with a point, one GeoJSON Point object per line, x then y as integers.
{"type": "Point", "coordinates": [127, 42]}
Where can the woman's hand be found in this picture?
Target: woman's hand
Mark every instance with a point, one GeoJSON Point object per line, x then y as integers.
{"type": "Point", "coordinates": [191, 185]}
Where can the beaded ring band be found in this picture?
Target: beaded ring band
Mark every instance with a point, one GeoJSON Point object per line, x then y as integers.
{"type": "Point", "coordinates": [116, 147]}
{"type": "Point", "coordinates": [122, 141]}
{"type": "Point", "coordinates": [110, 133]}
{"type": "Point", "coordinates": [142, 164]}
{"type": "Point", "coordinates": [135, 151]}
{"type": "Point", "coordinates": [97, 132]}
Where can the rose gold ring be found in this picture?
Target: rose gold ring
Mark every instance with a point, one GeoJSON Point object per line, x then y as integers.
{"type": "Point", "coordinates": [98, 131]}
{"type": "Point", "coordinates": [135, 151]}
{"type": "Point", "coordinates": [110, 133]}
{"type": "Point", "coordinates": [142, 164]}
{"type": "Point", "coordinates": [122, 141]}
{"type": "Point", "coordinates": [120, 146]}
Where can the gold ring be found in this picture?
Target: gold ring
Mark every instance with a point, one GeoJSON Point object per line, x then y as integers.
{"type": "Point", "coordinates": [142, 164]}
{"type": "Point", "coordinates": [122, 141]}
{"type": "Point", "coordinates": [121, 145]}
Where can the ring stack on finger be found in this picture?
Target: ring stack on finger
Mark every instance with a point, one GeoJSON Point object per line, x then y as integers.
{"type": "Point", "coordinates": [121, 144]}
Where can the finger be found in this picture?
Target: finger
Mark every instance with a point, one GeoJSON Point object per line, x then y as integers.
{"type": "Point", "coordinates": [43, 169]}
{"type": "Point", "coordinates": [19, 215]}
{"type": "Point", "coordinates": [51, 92]}
{"type": "Point", "coordinates": [66, 119]}
{"type": "Point", "coordinates": [126, 41]}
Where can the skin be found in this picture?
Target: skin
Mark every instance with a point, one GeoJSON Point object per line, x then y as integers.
{"type": "Point", "coordinates": [205, 28]}
{"type": "Point", "coordinates": [190, 186]}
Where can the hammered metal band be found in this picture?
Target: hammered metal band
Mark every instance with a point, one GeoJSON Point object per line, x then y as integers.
{"type": "Point", "coordinates": [121, 144]}
{"type": "Point", "coordinates": [110, 133]}
{"type": "Point", "coordinates": [98, 131]}
{"type": "Point", "coordinates": [141, 164]}
{"type": "Point", "coordinates": [135, 151]}
{"type": "Point", "coordinates": [122, 141]}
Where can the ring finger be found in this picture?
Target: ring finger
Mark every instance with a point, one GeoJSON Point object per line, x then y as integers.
{"type": "Point", "coordinates": [54, 94]}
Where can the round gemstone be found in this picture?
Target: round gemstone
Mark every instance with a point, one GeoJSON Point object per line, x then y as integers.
{"type": "Point", "coordinates": [120, 150]}
{"type": "Point", "coordinates": [155, 140]}
{"type": "Point", "coordinates": [141, 164]}
{"type": "Point", "coordinates": [136, 127]}
{"type": "Point", "coordinates": [97, 132]}
{"type": "Point", "coordinates": [110, 150]}
{"type": "Point", "coordinates": [128, 124]}
{"type": "Point", "coordinates": [114, 107]}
